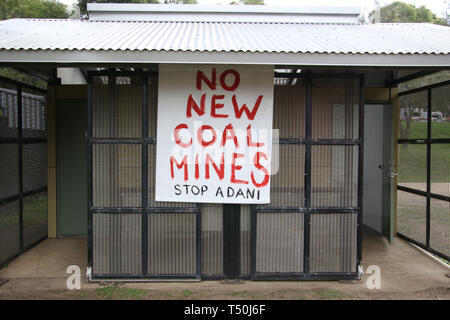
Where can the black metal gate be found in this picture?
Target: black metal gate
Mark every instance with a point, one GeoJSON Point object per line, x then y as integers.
{"type": "Point", "coordinates": [311, 229]}
{"type": "Point", "coordinates": [23, 167]}
{"type": "Point", "coordinates": [423, 205]}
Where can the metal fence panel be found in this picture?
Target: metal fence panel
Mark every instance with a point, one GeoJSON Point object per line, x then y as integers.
{"type": "Point", "coordinates": [333, 242]}
{"type": "Point", "coordinates": [23, 168]}
{"type": "Point", "coordinates": [279, 241]}
{"type": "Point", "coordinates": [117, 244]}
{"type": "Point", "coordinates": [172, 244]}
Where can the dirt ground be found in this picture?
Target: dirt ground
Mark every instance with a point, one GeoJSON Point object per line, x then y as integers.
{"type": "Point", "coordinates": [406, 273]}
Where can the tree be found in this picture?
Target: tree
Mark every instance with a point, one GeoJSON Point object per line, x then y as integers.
{"type": "Point", "coordinates": [32, 9]}
{"type": "Point", "coordinates": [82, 4]}
{"type": "Point", "coordinates": [403, 12]}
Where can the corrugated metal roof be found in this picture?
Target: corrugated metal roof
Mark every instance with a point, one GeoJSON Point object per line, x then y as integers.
{"type": "Point", "coordinates": [37, 34]}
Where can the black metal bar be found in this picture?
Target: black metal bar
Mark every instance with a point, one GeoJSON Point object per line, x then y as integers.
{"type": "Point", "coordinates": [144, 173]}
{"type": "Point", "coordinates": [231, 240]}
{"type": "Point", "coordinates": [9, 199]}
{"type": "Point", "coordinates": [305, 277]}
{"type": "Point", "coordinates": [411, 190]}
{"type": "Point", "coordinates": [269, 209]}
{"type": "Point", "coordinates": [312, 210]}
{"type": "Point", "coordinates": [123, 140]}
{"type": "Point", "coordinates": [423, 193]}
{"type": "Point", "coordinates": [89, 174]}
{"type": "Point", "coordinates": [307, 181]}
{"type": "Point", "coordinates": [23, 140]}
{"type": "Point", "coordinates": [298, 141]}
{"type": "Point", "coordinates": [253, 230]}
{"type": "Point", "coordinates": [23, 85]}
{"type": "Point", "coordinates": [20, 130]}
{"type": "Point", "coordinates": [431, 86]}
{"type": "Point", "coordinates": [409, 77]}
{"type": "Point", "coordinates": [344, 142]}
{"type": "Point", "coordinates": [14, 256]}
{"type": "Point", "coordinates": [423, 246]}
{"type": "Point", "coordinates": [360, 173]}
{"type": "Point", "coordinates": [331, 210]}
{"type": "Point", "coordinates": [413, 141]}
{"type": "Point", "coordinates": [428, 168]}
{"type": "Point", "coordinates": [152, 210]}
{"type": "Point", "coordinates": [198, 242]}
{"type": "Point", "coordinates": [143, 277]}
{"type": "Point", "coordinates": [437, 141]}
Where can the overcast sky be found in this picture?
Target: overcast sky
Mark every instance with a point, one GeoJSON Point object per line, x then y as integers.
{"type": "Point", "coordinates": [437, 6]}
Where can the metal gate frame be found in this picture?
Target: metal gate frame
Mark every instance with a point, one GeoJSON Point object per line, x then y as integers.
{"type": "Point", "coordinates": [144, 210]}
{"type": "Point", "coordinates": [308, 210]}
{"type": "Point", "coordinates": [20, 141]}
{"type": "Point", "coordinates": [427, 194]}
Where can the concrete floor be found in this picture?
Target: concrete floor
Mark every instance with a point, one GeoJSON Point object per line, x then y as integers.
{"type": "Point", "coordinates": [406, 273]}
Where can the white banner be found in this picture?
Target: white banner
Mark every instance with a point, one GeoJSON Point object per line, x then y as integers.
{"type": "Point", "coordinates": [214, 133]}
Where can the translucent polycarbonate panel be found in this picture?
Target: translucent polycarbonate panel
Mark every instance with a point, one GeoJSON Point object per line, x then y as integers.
{"type": "Point", "coordinates": [411, 215]}
{"type": "Point", "coordinates": [117, 108]}
{"type": "Point", "coordinates": [9, 230]}
{"type": "Point", "coordinates": [34, 122]}
{"type": "Point", "coordinates": [287, 184]}
{"type": "Point", "coordinates": [116, 175]}
{"type": "Point", "coordinates": [279, 242]}
{"type": "Point", "coordinates": [334, 176]}
{"type": "Point", "coordinates": [152, 106]}
{"type": "Point", "coordinates": [413, 109]}
{"type": "Point", "coordinates": [440, 169]}
{"type": "Point", "coordinates": [34, 218]}
{"type": "Point", "coordinates": [412, 166]}
{"type": "Point", "coordinates": [34, 166]}
{"type": "Point", "coordinates": [335, 109]}
{"type": "Point", "coordinates": [333, 242]}
{"type": "Point", "coordinates": [172, 243]}
{"type": "Point", "coordinates": [9, 169]}
{"type": "Point", "coordinates": [245, 239]}
{"type": "Point", "coordinates": [440, 226]}
{"type": "Point", "coordinates": [440, 112]}
{"type": "Point", "coordinates": [152, 183]}
{"type": "Point", "coordinates": [289, 109]}
{"type": "Point", "coordinates": [212, 239]}
{"type": "Point", "coordinates": [9, 126]}
{"type": "Point", "coordinates": [117, 244]}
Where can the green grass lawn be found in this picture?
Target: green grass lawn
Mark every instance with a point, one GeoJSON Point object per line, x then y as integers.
{"type": "Point", "coordinates": [413, 157]}
{"type": "Point", "coordinates": [418, 130]}
{"type": "Point", "coordinates": [34, 212]}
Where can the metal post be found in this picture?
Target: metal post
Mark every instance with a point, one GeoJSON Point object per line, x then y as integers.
{"type": "Point", "coordinates": [308, 149]}
{"type": "Point", "coordinates": [89, 173]}
{"type": "Point", "coordinates": [360, 173]}
{"type": "Point", "coordinates": [428, 168]}
{"type": "Point", "coordinates": [20, 124]}
{"type": "Point", "coordinates": [144, 187]}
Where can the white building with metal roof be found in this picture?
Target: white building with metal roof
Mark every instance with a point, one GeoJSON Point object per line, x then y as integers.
{"type": "Point", "coordinates": [128, 85]}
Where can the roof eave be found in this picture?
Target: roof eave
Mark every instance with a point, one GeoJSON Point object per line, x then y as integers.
{"type": "Point", "coordinates": [73, 57]}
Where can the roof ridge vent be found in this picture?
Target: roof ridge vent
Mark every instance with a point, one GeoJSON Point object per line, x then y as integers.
{"type": "Point", "coordinates": [221, 13]}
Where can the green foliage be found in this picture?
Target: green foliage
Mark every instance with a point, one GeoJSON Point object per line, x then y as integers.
{"type": "Point", "coordinates": [403, 12]}
{"type": "Point", "coordinates": [16, 75]}
{"type": "Point", "coordinates": [32, 9]}
{"type": "Point", "coordinates": [34, 213]}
